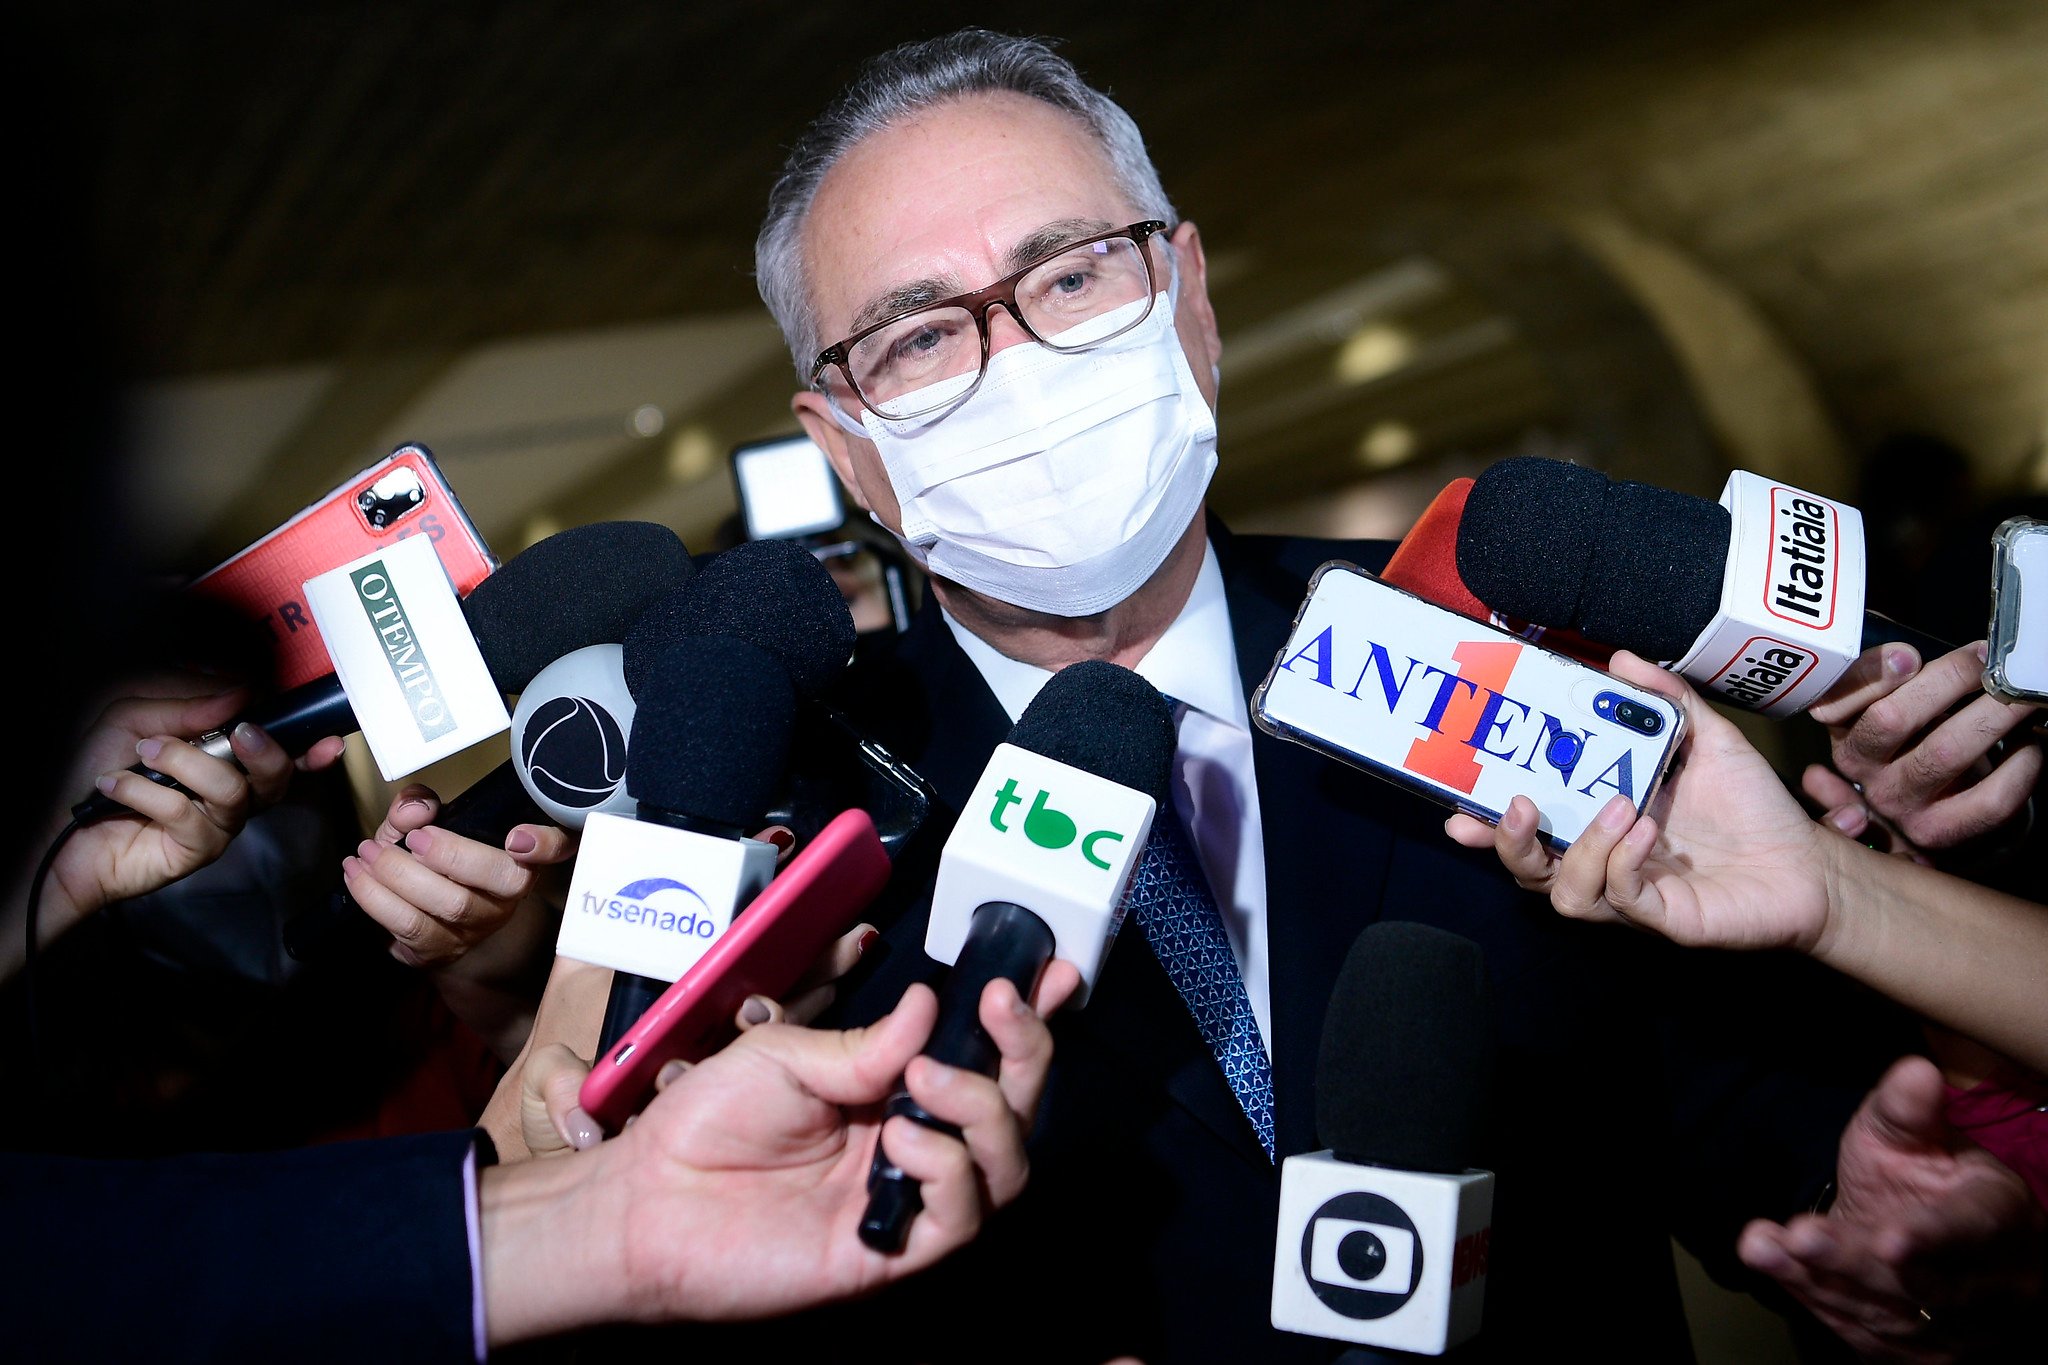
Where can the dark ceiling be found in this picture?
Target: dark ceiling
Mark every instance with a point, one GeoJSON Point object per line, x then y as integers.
{"type": "Point", "coordinates": [1656, 229]}
{"type": "Point", "coordinates": [277, 183]}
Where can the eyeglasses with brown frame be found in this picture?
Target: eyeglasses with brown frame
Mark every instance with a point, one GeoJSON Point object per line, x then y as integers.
{"type": "Point", "coordinates": [921, 360]}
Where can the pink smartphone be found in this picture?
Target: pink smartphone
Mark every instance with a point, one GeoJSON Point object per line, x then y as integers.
{"type": "Point", "coordinates": [768, 946]}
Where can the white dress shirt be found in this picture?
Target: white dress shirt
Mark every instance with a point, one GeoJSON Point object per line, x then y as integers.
{"type": "Point", "coordinates": [1214, 790]}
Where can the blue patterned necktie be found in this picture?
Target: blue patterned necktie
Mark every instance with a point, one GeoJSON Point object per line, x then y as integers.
{"type": "Point", "coordinates": [1170, 897]}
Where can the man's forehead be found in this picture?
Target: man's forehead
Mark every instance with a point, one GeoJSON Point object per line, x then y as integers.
{"type": "Point", "coordinates": [950, 200]}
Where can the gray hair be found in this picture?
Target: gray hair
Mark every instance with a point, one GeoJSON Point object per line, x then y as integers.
{"type": "Point", "coordinates": [905, 81]}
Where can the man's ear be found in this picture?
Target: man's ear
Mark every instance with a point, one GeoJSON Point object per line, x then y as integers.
{"type": "Point", "coordinates": [827, 435]}
{"type": "Point", "coordinates": [1195, 316]}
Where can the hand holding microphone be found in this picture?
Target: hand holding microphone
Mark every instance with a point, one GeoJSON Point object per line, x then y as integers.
{"type": "Point", "coordinates": [1033, 879]}
{"type": "Point", "coordinates": [1931, 752]}
{"type": "Point", "coordinates": [734, 1195]}
{"type": "Point", "coordinates": [1598, 565]}
{"type": "Point", "coordinates": [574, 591]}
{"type": "Point", "coordinates": [1729, 860]}
{"type": "Point", "coordinates": [173, 831]}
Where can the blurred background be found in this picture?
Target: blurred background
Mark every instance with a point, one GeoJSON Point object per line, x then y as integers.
{"type": "Point", "coordinates": [1804, 238]}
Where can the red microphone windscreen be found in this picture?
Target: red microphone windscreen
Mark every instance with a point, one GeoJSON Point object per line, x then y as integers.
{"type": "Point", "coordinates": [1426, 561]}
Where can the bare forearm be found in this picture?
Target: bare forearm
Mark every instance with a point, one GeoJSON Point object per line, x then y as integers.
{"type": "Point", "coordinates": [1957, 953]}
{"type": "Point", "coordinates": [571, 1012]}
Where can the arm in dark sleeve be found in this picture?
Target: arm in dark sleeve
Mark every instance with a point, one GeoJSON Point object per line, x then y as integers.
{"type": "Point", "coordinates": [355, 1251]}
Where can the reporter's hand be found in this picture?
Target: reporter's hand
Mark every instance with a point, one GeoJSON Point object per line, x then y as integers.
{"type": "Point", "coordinates": [552, 1120]}
{"type": "Point", "coordinates": [1929, 773]}
{"type": "Point", "coordinates": [1933, 1249]}
{"type": "Point", "coordinates": [1733, 862]}
{"type": "Point", "coordinates": [739, 1191]}
{"type": "Point", "coordinates": [440, 894]}
{"type": "Point", "coordinates": [170, 835]}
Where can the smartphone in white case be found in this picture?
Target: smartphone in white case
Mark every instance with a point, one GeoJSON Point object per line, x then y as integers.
{"type": "Point", "coordinates": [1459, 712]}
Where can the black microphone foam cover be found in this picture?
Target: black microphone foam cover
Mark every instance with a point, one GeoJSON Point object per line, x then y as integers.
{"type": "Point", "coordinates": [1627, 564]}
{"type": "Point", "coordinates": [584, 586]}
{"type": "Point", "coordinates": [1528, 536]}
{"type": "Point", "coordinates": [772, 593]}
{"type": "Point", "coordinates": [1407, 1055]}
{"type": "Point", "coordinates": [711, 732]}
{"type": "Point", "coordinates": [1656, 583]}
{"type": "Point", "coordinates": [1104, 720]}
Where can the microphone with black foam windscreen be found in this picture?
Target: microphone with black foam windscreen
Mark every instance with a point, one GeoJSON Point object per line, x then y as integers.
{"type": "Point", "coordinates": [1757, 598]}
{"type": "Point", "coordinates": [1426, 564]}
{"type": "Point", "coordinates": [569, 597]}
{"type": "Point", "coordinates": [650, 893]}
{"type": "Point", "coordinates": [773, 612]}
{"type": "Point", "coordinates": [1035, 869]}
{"type": "Point", "coordinates": [1384, 1235]}
{"type": "Point", "coordinates": [588, 584]}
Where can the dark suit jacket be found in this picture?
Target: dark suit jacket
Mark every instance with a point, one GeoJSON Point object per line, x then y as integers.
{"type": "Point", "coordinates": [1629, 1100]}
{"type": "Point", "coordinates": [358, 1251]}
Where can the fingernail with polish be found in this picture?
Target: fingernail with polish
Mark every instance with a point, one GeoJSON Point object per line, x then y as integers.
{"type": "Point", "coordinates": [421, 839]}
{"type": "Point", "coordinates": [148, 749]}
{"type": "Point", "coordinates": [521, 841]}
{"type": "Point", "coordinates": [369, 850]}
{"type": "Point", "coordinates": [867, 941]}
{"type": "Point", "coordinates": [105, 782]}
{"type": "Point", "coordinates": [583, 1131]}
{"type": "Point", "coordinates": [755, 1011]}
{"type": "Point", "coordinates": [670, 1073]}
{"type": "Point", "coordinates": [251, 738]}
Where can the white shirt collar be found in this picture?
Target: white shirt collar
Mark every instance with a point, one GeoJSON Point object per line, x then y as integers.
{"type": "Point", "coordinates": [1194, 662]}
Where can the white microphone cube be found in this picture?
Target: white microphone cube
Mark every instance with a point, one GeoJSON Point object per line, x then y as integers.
{"type": "Point", "coordinates": [403, 652]}
{"type": "Point", "coordinates": [1058, 841]}
{"type": "Point", "coordinates": [1791, 615]}
{"type": "Point", "coordinates": [1381, 1257]}
{"type": "Point", "coordinates": [651, 900]}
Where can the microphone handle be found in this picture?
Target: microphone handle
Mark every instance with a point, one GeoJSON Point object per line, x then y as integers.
{"type": "Point", "coordinates": [631, 996]}
{"type": "Point", "coordinates": [1004, 940]}
{"type": "Point", "coordinates": [297, 720]}
{"type": "Point", "coordinates": [486, 811]}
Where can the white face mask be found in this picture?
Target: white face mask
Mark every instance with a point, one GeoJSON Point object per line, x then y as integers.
{"type": "Point", "coordinates": [1065, 480]}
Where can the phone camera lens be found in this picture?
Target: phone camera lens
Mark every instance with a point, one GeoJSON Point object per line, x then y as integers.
{"type": "Point", "coordinates": [1642, 719]}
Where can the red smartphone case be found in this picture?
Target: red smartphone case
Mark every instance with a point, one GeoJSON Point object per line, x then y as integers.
{"type": "Point", "coordinates": [768, 946]}
{"type": "Point", "coordinates": [403, 494]}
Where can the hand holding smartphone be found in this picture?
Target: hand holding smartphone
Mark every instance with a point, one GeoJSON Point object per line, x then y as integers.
{"type": "Point", "coordinates": [766, 949]}
{"type": "Point", "coordinates": [1459, 712]}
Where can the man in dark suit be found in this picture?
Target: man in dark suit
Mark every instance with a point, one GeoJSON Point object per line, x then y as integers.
{"type": "Point", "coordinates": [1040, 444]}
